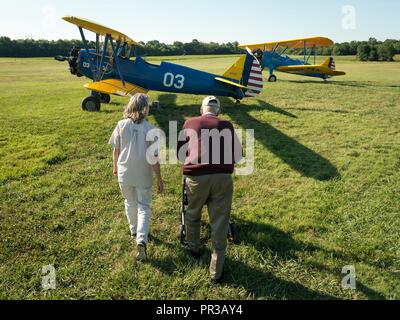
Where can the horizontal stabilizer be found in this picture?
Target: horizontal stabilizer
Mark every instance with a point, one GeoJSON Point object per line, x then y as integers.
{"type": "Point", "coordinates": [338, 73]}
{"type": "Point", "coordinates": [116, 87]}
{"type": "Point", "coordinates": [231, 83]}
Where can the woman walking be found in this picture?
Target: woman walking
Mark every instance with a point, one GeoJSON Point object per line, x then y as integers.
{"type": "Point", "coordinates": [134, 168]}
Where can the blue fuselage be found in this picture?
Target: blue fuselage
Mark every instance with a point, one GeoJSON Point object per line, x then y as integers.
{"type": "Point", "coordinates": [166, 77]}
{"type": "Point", "coordinates": [272, 61]}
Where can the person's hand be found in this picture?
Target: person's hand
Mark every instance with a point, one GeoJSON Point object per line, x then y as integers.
{"type": "Point", "coordinates": [160, 186]}
{"type": "Point", "coordinates": [115, 172]}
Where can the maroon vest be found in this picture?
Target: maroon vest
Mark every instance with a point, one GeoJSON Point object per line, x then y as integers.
{"type": "Point", "coordinates": [204, 154]}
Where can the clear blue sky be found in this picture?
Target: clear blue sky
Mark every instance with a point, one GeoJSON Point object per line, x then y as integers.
{"type": "Point", "coordinates": [207, 20]}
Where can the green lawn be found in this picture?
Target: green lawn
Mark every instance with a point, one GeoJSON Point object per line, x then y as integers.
{"type": "Point", "coordinates": [324, 195]}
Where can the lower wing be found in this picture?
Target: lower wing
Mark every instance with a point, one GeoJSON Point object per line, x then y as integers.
{"type": "Point", "coordinates": [311, 69]}
{"type": "Point", "coordinates": [116, 87]}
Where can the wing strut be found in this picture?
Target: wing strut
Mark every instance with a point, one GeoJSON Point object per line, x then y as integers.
{"type": "Point", "coordinates": [103, 56]}
{"type": "Point", "coordinates": [115, 57]}
{"type": "Point", "coordinates": [85, 44]}
{"type": "Point", "coordinates": [97, 51]}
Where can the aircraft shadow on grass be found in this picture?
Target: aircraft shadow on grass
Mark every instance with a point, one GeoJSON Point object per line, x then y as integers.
{"type": "Point", "coordinates": [266, 237]}
{"type": "Point", "coordinates": [357, 84]}
{"type": "Point", "coordinates": [256, 282]}
{"type": "Point", "coordinates": [330, 83]}
{"type": "Point", "coordinates": [320, 110]}
{"type": "Point", "coordinates": [297, 156]}
{"type": "Point", "coordinates": [262, 237]}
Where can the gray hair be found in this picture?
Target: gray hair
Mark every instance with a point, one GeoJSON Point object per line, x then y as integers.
{"type": "Point", "coordinates": [211, 108]}
{"type": "Point", "coordinates": [137, 108]}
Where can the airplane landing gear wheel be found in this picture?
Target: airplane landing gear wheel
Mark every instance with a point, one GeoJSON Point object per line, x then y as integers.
{"type": "Point", "coordinates": [272, 78]}
{"type": "Point", "coordinates": [237, 101]}
{"type": "Point", "coordinates": [91, 104]}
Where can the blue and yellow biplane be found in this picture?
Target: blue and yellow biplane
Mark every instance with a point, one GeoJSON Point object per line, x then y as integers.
{"type": "Point", "coordinates": [272, 56]}
{"type": "Point", "coordinates": [116, 69]}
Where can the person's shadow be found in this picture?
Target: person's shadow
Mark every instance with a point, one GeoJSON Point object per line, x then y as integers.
{"type": "Point", "coordinates": [274, 247]}
{"type": "Point", "coordinates": [258, 283]}
{"type": "Point", "coordinates": [283, 247]}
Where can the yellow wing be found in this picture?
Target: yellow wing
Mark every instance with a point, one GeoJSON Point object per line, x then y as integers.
{"type": "Point", "coordinates": [116, 87]}
{"type": "Point", "coordinates": [311, 69]}
{"type": "Point", "coordinates": [295, 43]}
{"type": "Point", "coordinates": [101, 30]}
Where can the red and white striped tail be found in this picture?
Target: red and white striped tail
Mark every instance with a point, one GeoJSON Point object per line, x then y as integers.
{"type": "Point", "coordinates": [332, 64]}
{"type": "Point", "coordinates": [255, 83]}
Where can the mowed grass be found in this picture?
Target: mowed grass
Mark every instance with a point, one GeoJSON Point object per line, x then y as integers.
{"type": "Point", "coordinates": [324, 194]}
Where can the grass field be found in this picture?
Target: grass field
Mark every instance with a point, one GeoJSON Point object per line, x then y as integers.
{"type": "Point", "coordinates": [324, 195]}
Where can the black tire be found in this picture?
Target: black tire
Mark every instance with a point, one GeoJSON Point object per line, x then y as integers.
{"type": "Point", "coordinates": [91, 104]}
{"type": "Point", "coordinates": [233, 234]}
{"type": "Point", "coordinates": [272, 78]}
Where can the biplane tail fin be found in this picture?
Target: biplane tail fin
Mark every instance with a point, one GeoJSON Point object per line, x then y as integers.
{"type": "Point", "coordinates": [247, 71]}
{"type": "Point", "coordinates": [330, 63]}
{"type": "Point", "coordinates": [252, 75]}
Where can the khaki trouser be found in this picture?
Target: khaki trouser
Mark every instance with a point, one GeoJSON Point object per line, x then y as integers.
{"type": "Point", "coordinates": [216, 191]}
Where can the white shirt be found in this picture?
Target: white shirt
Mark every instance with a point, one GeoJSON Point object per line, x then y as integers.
{"type": "Point", "coordinates": [133, 167]}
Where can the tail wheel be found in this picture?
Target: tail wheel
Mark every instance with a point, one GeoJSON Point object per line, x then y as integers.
{"type": "Point", "coordinates": [272, 78]}
{"type": "Point", "coordinates": [182, 234]}
{"type": "Point", "coordinates": [91, 104]}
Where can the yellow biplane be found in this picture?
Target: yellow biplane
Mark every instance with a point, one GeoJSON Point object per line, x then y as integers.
{"type": "Point", "coordinates": [272, 56]}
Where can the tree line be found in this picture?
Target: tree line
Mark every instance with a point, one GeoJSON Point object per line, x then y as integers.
{"type": "Point", "coordinates": [372, 50]}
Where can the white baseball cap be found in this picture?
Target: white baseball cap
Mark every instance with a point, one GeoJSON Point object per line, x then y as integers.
{"type": "Point", "coordinates": [212, 102]}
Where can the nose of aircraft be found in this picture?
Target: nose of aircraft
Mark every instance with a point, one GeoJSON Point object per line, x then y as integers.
{"type": "Point", "coordinates": [72, 60]}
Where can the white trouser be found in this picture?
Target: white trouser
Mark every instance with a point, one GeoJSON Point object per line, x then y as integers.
{"type": "Point", "coordinates": [137, 210]}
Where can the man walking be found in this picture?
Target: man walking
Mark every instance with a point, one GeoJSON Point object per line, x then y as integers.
{"type": "Point", "coordinates": [209, 149]}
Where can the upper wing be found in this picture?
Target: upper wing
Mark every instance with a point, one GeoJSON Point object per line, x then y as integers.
{"type": "Point", "coordinates": [113, 86]}
{"type": "Point", "coordinates": [101, 30]}
{"type": "Point", "coordinates": [295, 43]}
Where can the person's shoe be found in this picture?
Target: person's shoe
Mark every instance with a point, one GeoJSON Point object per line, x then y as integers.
{"type": "Point", "coordinates": [195, 254]}
{"type": "Point", "coordinates": [217, 280]}
{"type": "Point", "coordinates": [141, 252]}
